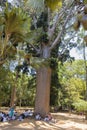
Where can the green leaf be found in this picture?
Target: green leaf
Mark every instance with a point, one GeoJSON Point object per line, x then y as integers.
{"type": "Point", "coordinates": [85, 1]}
{"type": "Point", "coordinates": [16, 21]}
{"type": "Point", "coordinates": [54, 4]}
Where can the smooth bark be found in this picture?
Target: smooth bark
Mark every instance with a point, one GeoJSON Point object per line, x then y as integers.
{"type": "Point", "coordinates": [13, 96]}
{"type": "Point", "coordinates": [43, 91]}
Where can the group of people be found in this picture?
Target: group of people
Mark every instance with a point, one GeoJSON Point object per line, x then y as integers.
{"type": "Point", "coordinates": [13, 115]}
{"type": "Point", "coordinates": [48, 117]}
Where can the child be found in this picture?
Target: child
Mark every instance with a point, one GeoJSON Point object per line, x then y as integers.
{"type": "Point", "coordinates": [38, 117]}
{"type": "Point", "coordinates": [11, 112]}
{"type": "Point", "coordinates": [30, 113]}
{"type": "Point", "coordinates": [21, 117]}
{"type": "Point", "coordinates": [48, 117]}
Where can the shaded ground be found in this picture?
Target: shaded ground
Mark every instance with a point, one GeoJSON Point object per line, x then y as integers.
{"type": "Point", "coordinates": [64, 121]}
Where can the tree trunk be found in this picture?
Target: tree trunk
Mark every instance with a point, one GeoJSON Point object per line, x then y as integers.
{"type": "Point", "coordinates": [43, 91]}
{"type": "Point", "coordinates": [86, 115]}
{"type": "Point", "coordinates": [13, 96]}
{"type": "Point", "coordinates": [20, 103]}
{"type": "Point", "coordinates": [84, 56]}
{"type": "Point", "coordinates": [13, 92]}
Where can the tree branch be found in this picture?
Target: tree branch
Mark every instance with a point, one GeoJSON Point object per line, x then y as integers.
{"type": "Point", "coordinates": [61, 32]}
{"type": "Point", "coordinates": [51, 30]}
{"type": "Point", "coordinates": [66, 43]}
{"type": "Point", "coordinates": [56, 20]}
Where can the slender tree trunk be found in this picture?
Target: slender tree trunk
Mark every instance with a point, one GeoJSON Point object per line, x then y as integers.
{"type": "Point", "coordinates": [20, 103]}
{"type": "Point", "coordinates": [13, 92]}
{"type": "Point", "coordinates": [13, 96]}
{"type": "Point", "coordinates": [43, 91]}
{"type": "Point", "coordinates": [86, 115]}
{"type": "Point", "coordinates": [84, 56]}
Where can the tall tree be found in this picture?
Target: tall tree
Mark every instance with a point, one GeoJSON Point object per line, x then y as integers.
{"type": "Point", "coordinates": [49, 27]}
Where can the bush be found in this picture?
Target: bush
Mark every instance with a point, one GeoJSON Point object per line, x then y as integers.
{"type": "Point", "coordinates": [80, 105]}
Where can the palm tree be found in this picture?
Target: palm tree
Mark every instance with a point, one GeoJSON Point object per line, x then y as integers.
{"type": "Point", "coordinates": [14, 25]}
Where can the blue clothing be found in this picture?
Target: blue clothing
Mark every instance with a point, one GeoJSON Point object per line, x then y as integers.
{"type": "Point", "coordinates": [11, 112]}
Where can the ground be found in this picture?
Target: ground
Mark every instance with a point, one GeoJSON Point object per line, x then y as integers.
{"type": "Point", "coordinates": [64, 121]}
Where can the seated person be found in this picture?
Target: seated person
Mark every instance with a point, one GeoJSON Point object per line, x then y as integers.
{"type": "Point", "coordinates": [26, 114]}
{"type": "Point", "coordinates": [38, 117]}
{"type": "Point", "coordinates": [3, 117]}
{"type": "Point", "coordinates": [48, 117]}
{"type": "Point", "coordinates": [30, 112]}
{"type": "Point", "coordinates": [21, 117]}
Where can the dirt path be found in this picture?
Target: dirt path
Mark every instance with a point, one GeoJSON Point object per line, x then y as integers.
{"type": "Point", "coordinates": [64, 121]}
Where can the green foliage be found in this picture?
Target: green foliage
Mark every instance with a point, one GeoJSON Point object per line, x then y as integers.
{"type": "Point", "coordinates": [43, 20]}
{"type": "Point", "coordinates": [38, 62]}
{"type": "Point", "coordinates": [14, 27]}
{"type": "Point", "coordinates": [85, 1]}
{"type": "Point", "coordinates": [54, 4]}
{"type": "Point", "coordinates": [39, 4]}
{"type": "Point", "coordinates": [42, 23]}
{"type": "Point", "coordinates": [4, 85]}
{"type": "Point", "coordinates": [25, 87]}
{"type": "Point", "coordinates": [5, 94]}
{"type": "Point", "coordinates": [35, 4]}
{"type": "Point", "coordinates": [56, 93]}
{"type": "Point", "coordinates": [80, 105]}
{"type": "Point", "coordinates": [53, 63]}
{"type": "Point", "coordinates": [16, 21]}
{"type": "Point", "coordinates": [72, 80]}
{"type": "Point", "coordinates": [26, 90]}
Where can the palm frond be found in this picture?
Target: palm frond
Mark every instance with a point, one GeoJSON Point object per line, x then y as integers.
{"type": "Point", "coordinates": [35, 5]}
{"type": "Point", "coordinates": [16, 21]}
{"type": "Point", "coordinates": [54, 4]}
{"type": "Point", "coordinates": [14, 25]}
{"type": "Point", "coordinates": [40, 4]}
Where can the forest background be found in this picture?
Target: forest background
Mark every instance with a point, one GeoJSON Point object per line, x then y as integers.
{"type": "Point", "coordinates": [24, 53]}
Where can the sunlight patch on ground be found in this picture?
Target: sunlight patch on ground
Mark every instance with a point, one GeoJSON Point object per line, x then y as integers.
{"type": "Point", "coordinates": [69, 124]}
{"type": "Point", "coordinates": [26, 125]}
{"type": "Point", "coordinates": [38, 122]}
{"type": "Point", "coordinates": [4, 124]}
{"type": "Point", "coordinates": [70, 115]}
